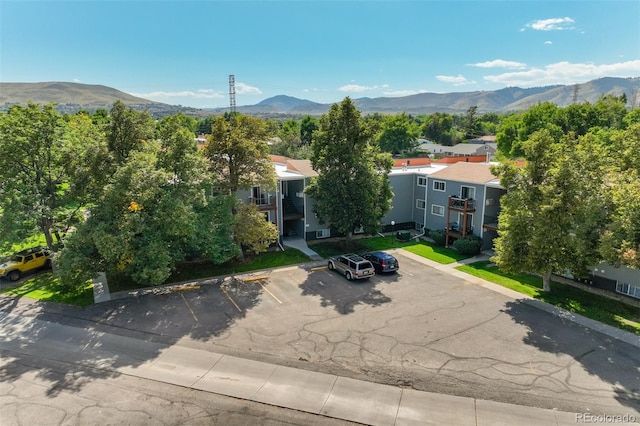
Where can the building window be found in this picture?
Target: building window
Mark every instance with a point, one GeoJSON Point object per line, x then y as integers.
{"type": "Point", "coordinates": [628, 289]}
{"type": "Point", "coordinates": [468, 192]}
{"type": "Point", "coordinates": [437, 210]}
{"type": "Point", "coordinates": [323, 233]}
{"type": "Point", "coordinates": [422, 181]}
{"type": "Point", "coordinates": [420, 204]}
{"type": "Point", "coordinates": [439, 185]}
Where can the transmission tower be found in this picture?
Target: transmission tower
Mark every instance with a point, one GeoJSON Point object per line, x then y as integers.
{"type": "Point", "coordinates": [576, 89]}
{"type": "Point", "coordinates": [232, 94]}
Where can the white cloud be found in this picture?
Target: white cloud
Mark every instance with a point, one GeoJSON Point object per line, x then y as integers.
{"type": "Point", "coordinates": [566, 73]}
{"type": "Point", "coordinates": [198, 94]}
{"type": "Point", "coordinates": [76, 80]}
{"type": "Point", "coordinates": [499, 63]}
{"type": "Point", "coordinates": [548, 42]}
{"type": "Point", "coordinates": [360, 88]}
{"type": "Point", "coordinates": [245, 89]}
{"type": "Point", "coordinates": [552, 24]}
{"type": "Point", "coordinates": [456, 81]}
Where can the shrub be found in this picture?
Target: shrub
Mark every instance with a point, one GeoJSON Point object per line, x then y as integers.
{"type": "Point", "coordinates": [468, 245]}
{"type": "Point", "coordinates": [438, 236]}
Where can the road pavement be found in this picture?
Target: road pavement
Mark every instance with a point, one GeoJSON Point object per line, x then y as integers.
{"type": "Point", "coordinates": [305, 339]}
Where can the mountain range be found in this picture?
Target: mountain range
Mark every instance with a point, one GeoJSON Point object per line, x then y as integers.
{"type": "Point", "coordinates": [71, 97]}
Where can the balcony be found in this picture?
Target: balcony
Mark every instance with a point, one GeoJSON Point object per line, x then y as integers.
{"type": "Point", "coordinates": [490, 223]}
{"type": "Point", "coordinates": [264, 202]}
{"type": "Point", "coordinates": [462, 204]}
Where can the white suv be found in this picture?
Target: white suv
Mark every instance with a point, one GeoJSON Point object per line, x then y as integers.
{"type": "Point", "coordinates": [352, 266]}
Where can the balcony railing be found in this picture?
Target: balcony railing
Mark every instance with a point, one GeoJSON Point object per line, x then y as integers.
{"type": "Point", "coordinates": [490, 223]}
{"type": "Point", "coordinates": [263, 201]}
{"type": "Point", "coordinates": [465, 204]}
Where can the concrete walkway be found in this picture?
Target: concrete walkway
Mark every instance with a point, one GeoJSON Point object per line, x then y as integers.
{"type": "Point", "coordinates": [313, 392]}
{"type": "Point", "coordinates": [300, 244]}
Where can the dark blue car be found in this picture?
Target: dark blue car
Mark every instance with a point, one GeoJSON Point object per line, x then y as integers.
{"type": "Point", "coordinates": [382, 262]}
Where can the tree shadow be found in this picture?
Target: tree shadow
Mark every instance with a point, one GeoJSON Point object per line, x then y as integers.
{"type": "Point", "coordinates": [95, 341]}
{"type": "Point", "coordinates": [610, 359]}
{"type": "Point", "coordinates": [344, 295]}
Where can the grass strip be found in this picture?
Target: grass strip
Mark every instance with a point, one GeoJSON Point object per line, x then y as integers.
{"type": "Point", "coordinates": [421, 248]}
{"type": "Point", "coordinates": [573, 299]}
{"type": "Point", "coordinates": [189, 271]}
{"type": "Point", "coordinates": [45, 287]}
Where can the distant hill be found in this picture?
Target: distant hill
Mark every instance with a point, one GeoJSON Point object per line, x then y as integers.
{"type": "Point", "coordinates": [74, 96]}
{"type": "Point", "coordinates": [59, 92]}
{"type": "Point", "coordinates": [503, 100]}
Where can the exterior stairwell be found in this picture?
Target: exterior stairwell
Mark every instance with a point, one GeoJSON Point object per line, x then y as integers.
{"type": "Point", "coordinates": [289, 207]}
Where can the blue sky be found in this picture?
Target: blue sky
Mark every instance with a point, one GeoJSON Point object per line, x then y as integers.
{"type": "Point", "coordinates": [182, 52]}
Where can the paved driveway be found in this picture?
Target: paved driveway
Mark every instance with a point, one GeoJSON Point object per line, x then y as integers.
{"type": "Point", "coordinates": [421, 328]}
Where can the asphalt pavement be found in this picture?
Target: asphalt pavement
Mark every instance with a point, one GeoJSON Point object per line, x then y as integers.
{"type": "Point", "coordinates": [308, 391]}
{"type": "Point", "coordinates": [314, 392]}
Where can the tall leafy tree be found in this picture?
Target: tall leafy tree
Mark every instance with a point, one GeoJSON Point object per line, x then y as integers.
{"type": "Point", "coordinates": [471, 123]}
{"type": "Point", "coordinates": [352, 189]}
{"type": "Point", "coordinates": [33, 179]}
{"type": "Point", "coordinates": [238, 153]}
{"type": "Point", "coordinates": [398, 133]}
{"type": "Point", "coordinates": [620, 241]}
{"type": "Point", "coordinates": [553, 210]}
{"type": "Point", "coordinates": [308, 126]}
{"type": "Point", "coordinates": [238, 157]}
{"type": "Point", "coordinates": [438, 127]}
{"type": "Point", "coordinates": [147, 219]}
{"type": "Point", "coordinates": [128, 131]}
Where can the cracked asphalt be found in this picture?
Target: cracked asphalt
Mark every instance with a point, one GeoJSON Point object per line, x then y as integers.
{"type": "Point", "coordinates": [421, 328]}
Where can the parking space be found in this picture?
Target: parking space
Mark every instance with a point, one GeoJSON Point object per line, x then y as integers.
{"type": "Point", "coordinates": [420, 327]}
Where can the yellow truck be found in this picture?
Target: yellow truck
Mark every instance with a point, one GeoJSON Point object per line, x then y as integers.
{"type": "Point", "coordinates": [25, 261]}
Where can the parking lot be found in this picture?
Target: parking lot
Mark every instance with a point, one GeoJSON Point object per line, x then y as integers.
{"type": "Point", "coordinates": [421, 328]}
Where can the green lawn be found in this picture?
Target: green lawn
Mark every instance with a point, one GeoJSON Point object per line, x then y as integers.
{"type": "Point", "coordinates": [422, 248]}
{"type": "Point", "coordinates": [35, 241]}
{"type": "Point", "coordinates": [599, 308]}
{"type": "Point", "coordinates": [45, 287]}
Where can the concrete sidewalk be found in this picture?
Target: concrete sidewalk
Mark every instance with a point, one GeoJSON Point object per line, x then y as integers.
{"type": "Point", "coordinates": [318, 393]}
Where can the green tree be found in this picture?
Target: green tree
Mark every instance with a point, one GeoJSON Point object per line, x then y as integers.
{"type": "Point", "coordinates": [128, 131]}
{"type": "Point", "coordinates": [238, 158]}
{"type": "Point", "coordinates": [471, 123]}
{"type": "Point", "coordinates": [251, 231]}
{"type": "Point", "coordinates": [352, 189]}
{"type": "Point", "coordinates": [552, 211]}
{"type": "Point", "coordinates": [238, 154]}
{"type": "Point", "coordinates": [398, 133]}
{"type": "Point", "coordinates": [438, 128]}
{"type": "Point", "coordinates": [308, 126]}
{"type": "Point", "coordinates": [34, 191]}
{"type": "Point", "coordinates": [620, 242]}
{"type": "Point", "coordinates": [146, 221]}
{"type": "Point", "coordinates": [204, 126]}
